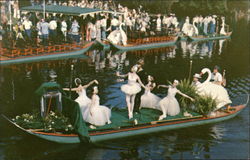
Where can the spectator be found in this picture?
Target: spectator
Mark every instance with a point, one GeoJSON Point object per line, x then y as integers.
{"type": "Point", "coordinates": [27, 27]}
{"type": "Point", "coordinates": [52, 30]}
{"type": "Point", "coordinates": [45, 32]}
{"type": "Point", "coordinates": [75, 31]}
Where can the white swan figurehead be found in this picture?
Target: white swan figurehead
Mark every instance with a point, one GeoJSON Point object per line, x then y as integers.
{"type": "Point", "coordinates": [206, 70]}
{"type": "Point", "coordinates": [216, 91]}
{"type": "Point", "coordinates": [118, 36]}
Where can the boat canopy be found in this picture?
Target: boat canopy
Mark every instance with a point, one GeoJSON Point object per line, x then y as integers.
{"type": "Point", "coordinates": [67, 10]}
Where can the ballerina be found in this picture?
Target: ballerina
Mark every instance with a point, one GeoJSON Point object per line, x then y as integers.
{"type": "Point", "coordinates": [148, 99]}
{"type": "Point", "coordinates": [96, 114]}
{"type": "Point", "coordinates": [131, 88]}
{"type": "Point", "coordinates": [82, 99]}
{"type": "Point", "coordinates": [169, 105]}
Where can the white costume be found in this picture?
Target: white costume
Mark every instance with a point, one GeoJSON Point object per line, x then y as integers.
{"type": "Point", "coordinates": [132, 87]}
{"type": "Point", "coordinates": [222, 30]}
{"type": "Point", "coordinates": [83, 100]}
{"type": "Point", "coordinates": [158, 24]}
{"type": "Point", "coordinates": [217, 77]}
{"type": "Point", "coordinates": [216, 91]}
{"type": "Point", "coordinates": [96, 114]}
{"type": "Point", "coordinates": [150, 100]}
{"type": "Point", "coordinates": [170, 103]}
{"type": "Point", "coordinates": [186, 25]}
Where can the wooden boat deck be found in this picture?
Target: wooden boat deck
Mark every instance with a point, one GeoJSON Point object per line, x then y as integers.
{"type": "Point", "coordinates": [34, 51]}
{"type": "Point", "coordinates": [149, 40]}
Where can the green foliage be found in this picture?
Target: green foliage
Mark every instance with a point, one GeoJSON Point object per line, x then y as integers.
{"type": "Point", "coordinates": [202, 104]}
{"type": "Point", "coordinates": [188, 89]}
{"type": "Point", "coordinates": [51, 123]}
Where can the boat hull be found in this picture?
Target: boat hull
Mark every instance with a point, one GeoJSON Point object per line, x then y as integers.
{"type": "Point", "coordinates": [210, 38]}
{"type": "Point", "coordinates": [98, 136]}
{"type": "Point", "coordinates": [145, 46]}
{"type": "Point", "coordinates": [102, 45]}
{"type": "Point", "coordinates": [47, 56]}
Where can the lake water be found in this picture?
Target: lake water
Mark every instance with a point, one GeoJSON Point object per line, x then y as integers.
{"type": "Point", "coordinates": [224, 140]}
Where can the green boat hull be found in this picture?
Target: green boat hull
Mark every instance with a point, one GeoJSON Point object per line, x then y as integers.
{"type": "Point", "coordinates": [133, 130]}
{"type": "Point", "coordinates": [195, 39]}
{"type": "Point", "coordinates": [102, 45]}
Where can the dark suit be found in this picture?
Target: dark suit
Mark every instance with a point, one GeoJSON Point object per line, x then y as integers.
{"type": "Point", "coordinates": [143, 76]}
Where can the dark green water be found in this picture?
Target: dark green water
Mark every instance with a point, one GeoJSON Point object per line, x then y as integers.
{"type": "Point", "coordinates": [225, 140]}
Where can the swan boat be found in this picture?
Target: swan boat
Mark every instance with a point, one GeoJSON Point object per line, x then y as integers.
{"type": "Point", "coordinates": [99, 135]}
{"type": "Point", "coordinates": [54, 52]}
{"type": "Point", "coordinates": [104, 45]}
{"type": "Point", "coordinates": [206, 38]}
{"type": "Point", "coordinates": [144, 122]}
{"type": "Point", "coordinates": [147, 43]}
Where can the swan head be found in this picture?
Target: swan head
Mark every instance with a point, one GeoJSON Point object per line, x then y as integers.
{"type": "Point", "coordinates": [205, 70]}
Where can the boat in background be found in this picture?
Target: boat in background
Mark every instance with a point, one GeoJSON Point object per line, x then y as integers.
{"type": "Point", "coordinates": [207, 38]}
{"type": "Point", "coordinates": [14, 56]}
{"type": "Point", "coordinates": [147, 43]}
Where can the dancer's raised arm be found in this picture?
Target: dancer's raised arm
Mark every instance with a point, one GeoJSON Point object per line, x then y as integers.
{"type": "Point", "coordinates": [90, 83]}
{"type": "Point", "coordinates": [184, 95]}
{"type": "Point", "coordinates": [119, 75]}
{"type": "Point", "coordinates": [72, 89]}
{"type": "Point", "coordinates": [139, 80]}
{"type": "Point", "coordinates": [163, 86]}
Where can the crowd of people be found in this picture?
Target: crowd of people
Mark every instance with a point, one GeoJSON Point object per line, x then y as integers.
{"type": "Point", "coordinates": [32, 29]}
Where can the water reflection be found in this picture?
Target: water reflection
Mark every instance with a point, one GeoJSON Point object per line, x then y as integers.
{"type": "Point", "coordinates": [202, 49]}
{"type": "Point", "coordinates": [168, 145]}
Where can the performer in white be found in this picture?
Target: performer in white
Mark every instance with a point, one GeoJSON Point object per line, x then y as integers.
{"type": "Point", "coordinates": [64, 29]}
{"type": "Point", "coordinates": [222, 30]}
{"type": "Point", "coordinates": [131, 88]}
{"type": "Point", "coordinates": [82, 99]}
{"type": "Point", "coordinates": [148, 99]}
{"type": "Point", "coordinates": [158, 23]}
{"type": "Point", "coordinates": [169, 105]}
{"type": "Point", "coordinates": [97, 114]}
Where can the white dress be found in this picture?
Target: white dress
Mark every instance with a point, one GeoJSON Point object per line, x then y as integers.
{"type": "Point", "coordinates": [96, 114]}
{"type": "Point", "coordinates": [170, 103]}
{"type": "Point", "coordinates": [83, 100]}
{"type": "Point", "coordinates": [222, 30]}
{"type": "Point", "coordinates": [132, 87]}
{"type": "Point", "coordinates": [150, 100]}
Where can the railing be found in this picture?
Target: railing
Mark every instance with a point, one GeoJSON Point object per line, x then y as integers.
{"type": "Point", "coordinates": [17, 52]}
{"type": "Point", "coordinates": [151, 40]}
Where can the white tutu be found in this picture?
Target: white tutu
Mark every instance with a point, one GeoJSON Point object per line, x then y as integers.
{"type": "Point", "coordinates": [150, 100]}
{"type": "Point", "coordinates": [83, 100]}
{"type": "Point", "coordinates": [131, 88]}
{"type": "Point", "coordinates": [96, 114]}
{"type": "Point", "coordinates": [171, 105]}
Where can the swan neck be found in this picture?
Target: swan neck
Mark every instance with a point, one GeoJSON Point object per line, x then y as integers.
{"type": "Point", "coordinates": [209, 76]}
